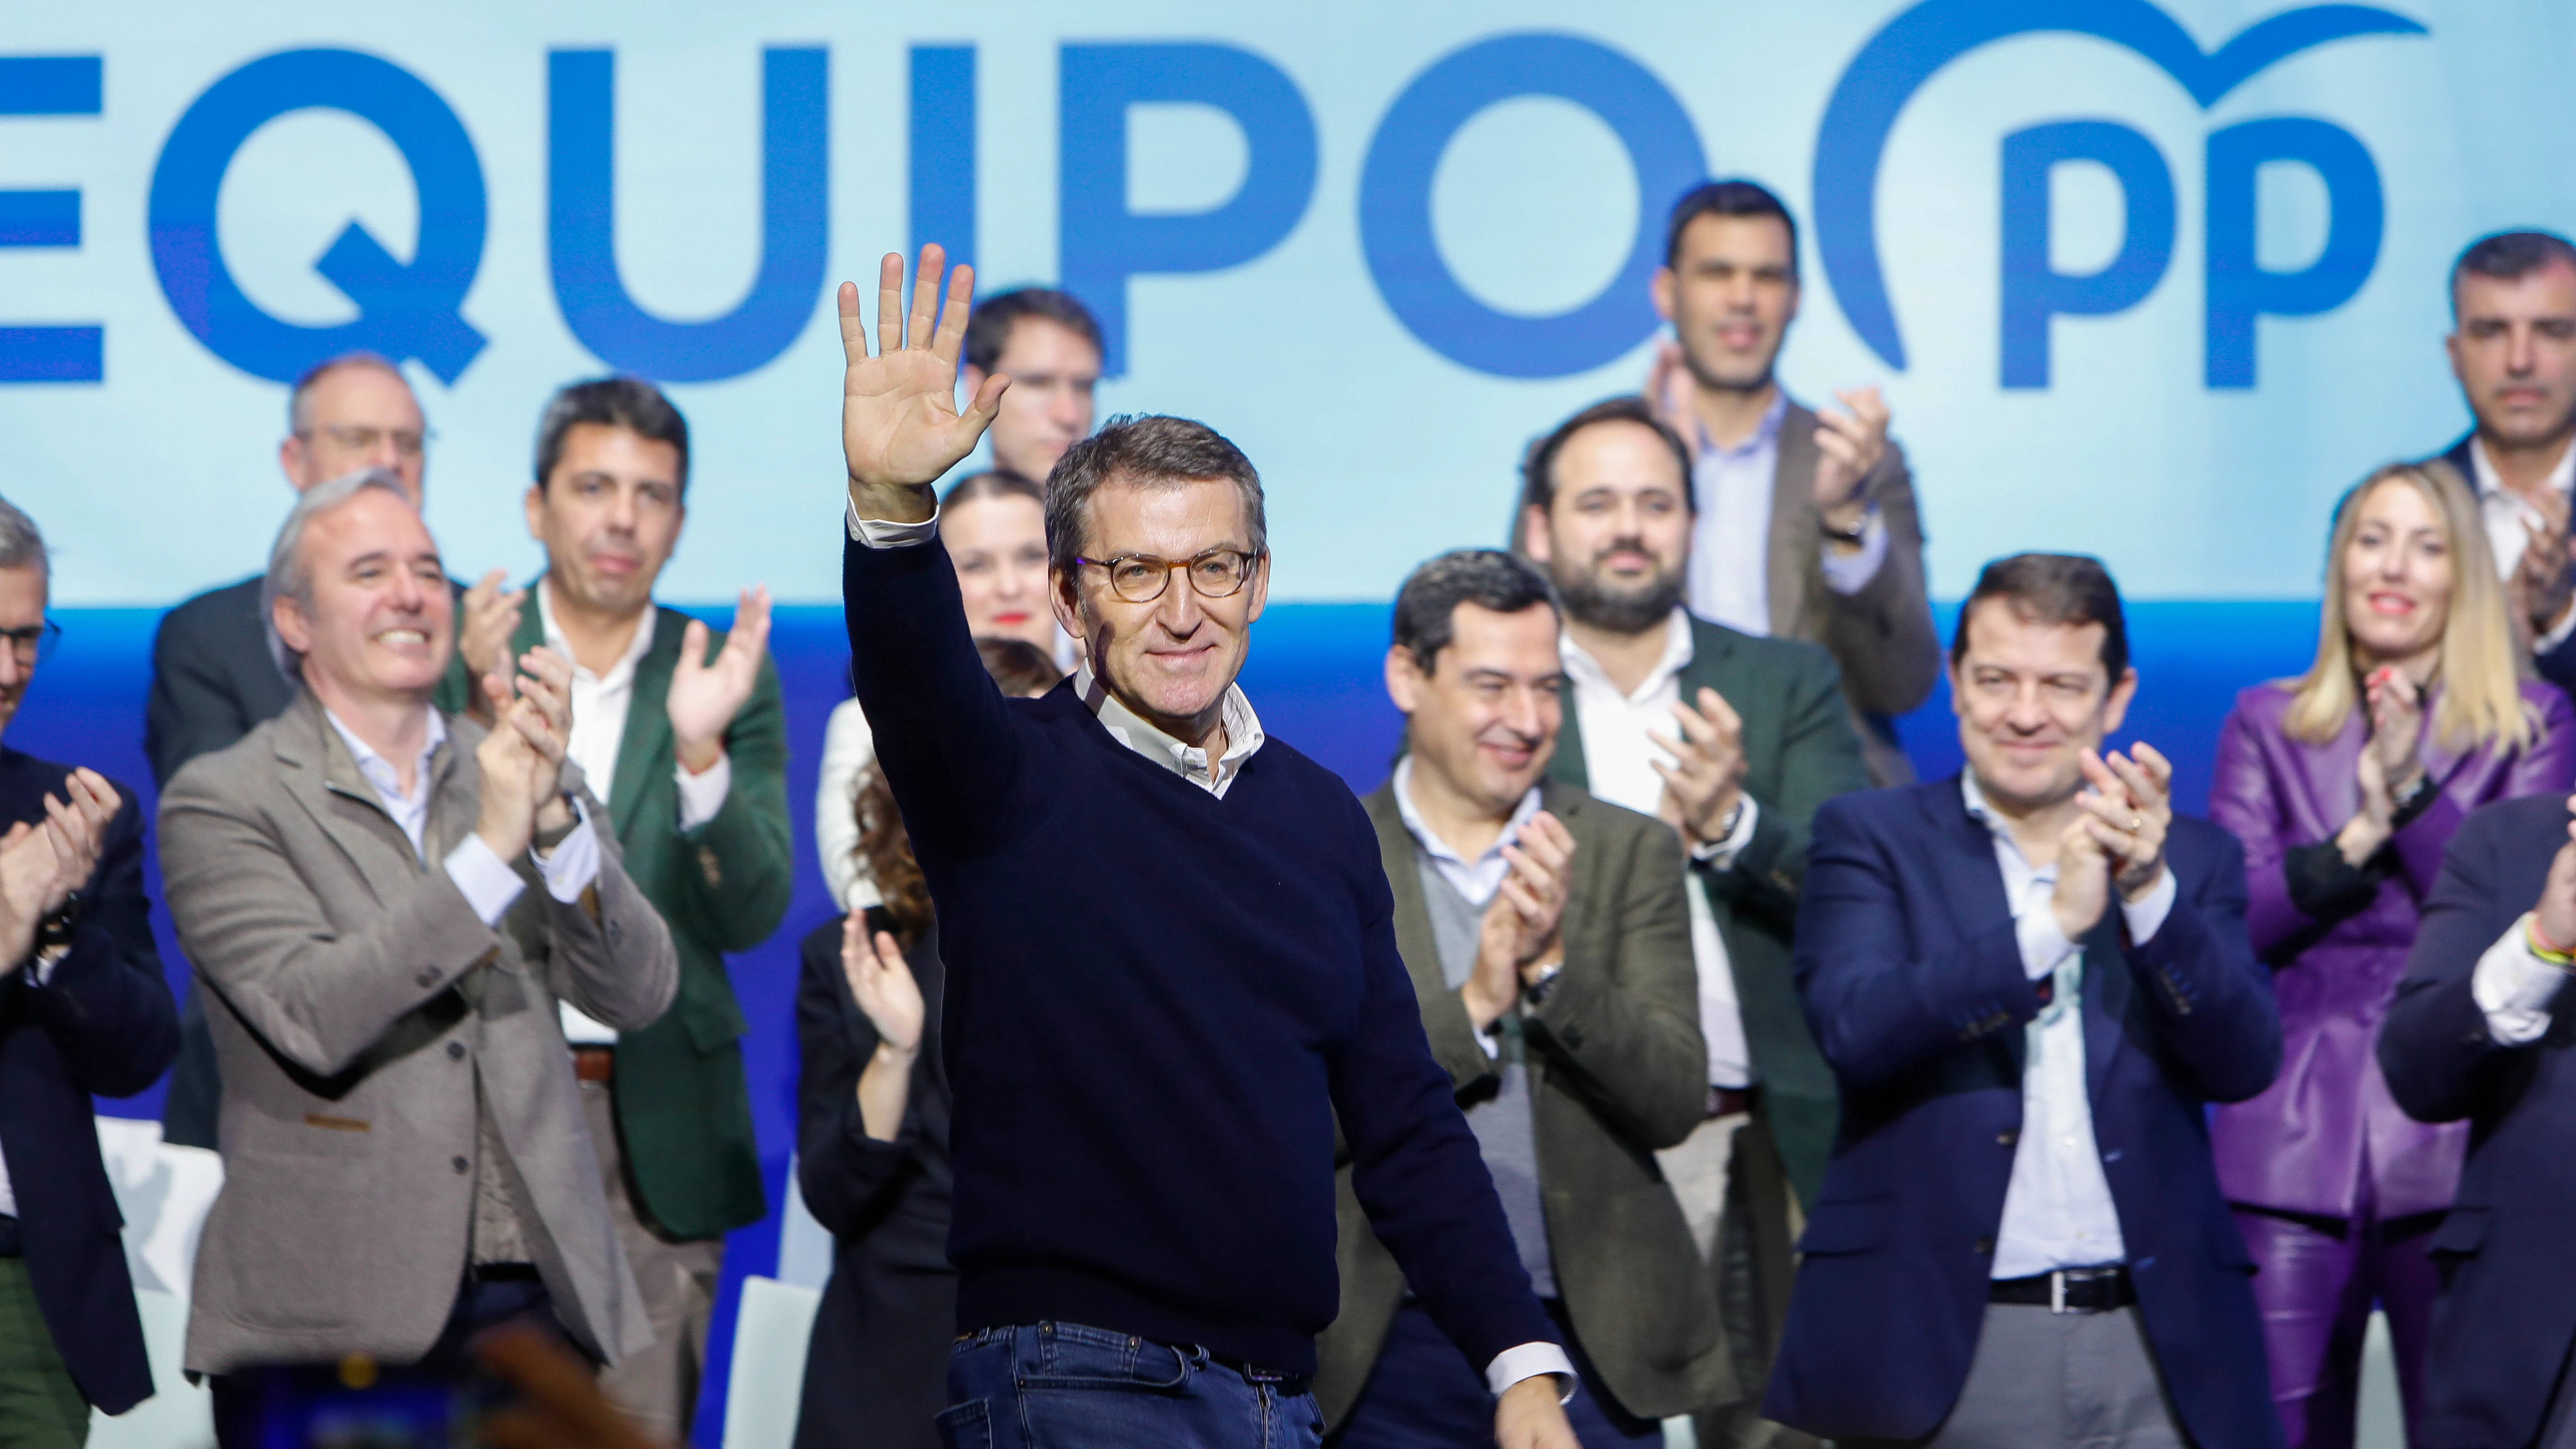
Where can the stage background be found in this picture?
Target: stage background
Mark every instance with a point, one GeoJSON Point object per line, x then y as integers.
{"type": "Point", "coordinates": [2154, 283]}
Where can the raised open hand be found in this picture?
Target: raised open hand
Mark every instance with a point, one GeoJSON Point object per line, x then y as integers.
{"type": "Point", "coordinates": [900, 426]}
{"type": "Point", "coordinates": [706, 694]}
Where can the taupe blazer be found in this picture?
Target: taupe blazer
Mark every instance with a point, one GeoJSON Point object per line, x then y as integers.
{"type": "Point", "coordinates": [1617, 1070]}
{"type": "Point", "coordinates": [1881, 637]}
{"type": "Point", "coordinates": [359, 1006]}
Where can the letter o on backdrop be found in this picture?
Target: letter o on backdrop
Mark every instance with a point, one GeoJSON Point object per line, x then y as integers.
{"type": "Point", "coordinates": [1403, 253]}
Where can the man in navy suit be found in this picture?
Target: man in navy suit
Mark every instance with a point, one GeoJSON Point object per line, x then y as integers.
{"type": "Point", "coordinates": [2470, 1036]}
{"type": "Point", "coordinates": [2028, 980]}
{"type": "Point", "coordinates": [83, 1010]}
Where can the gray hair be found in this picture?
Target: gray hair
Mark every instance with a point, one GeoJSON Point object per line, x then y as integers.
{"type": "Point", "coordinates": [1143, 452]}
{"type": "Point", "coordinates": [288, 576]}
{"type": "Point", "coordinates": [22, 546]}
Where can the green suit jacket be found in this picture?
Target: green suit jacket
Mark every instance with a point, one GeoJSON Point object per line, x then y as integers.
{"type": "Point", "coordinates": [683, 1111]}
{"type": "Point", "coordinates": [1615, 1066]}
{"type": "Point", "coordinates": [1799, 751]}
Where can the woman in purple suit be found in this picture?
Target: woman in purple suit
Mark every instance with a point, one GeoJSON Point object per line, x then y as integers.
{"type": "Point", "coordinates": [2344, 785]}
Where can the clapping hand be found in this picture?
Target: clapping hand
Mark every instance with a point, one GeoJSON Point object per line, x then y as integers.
{"type": "Point", "coordinates": [2554, 916]}
{"type": "Point", "coordinates": [2540, 586]}
{"type": "Point", "coordinates": [883, 986]}
{"type": "Point", "coordinates": [522, 758]}
{"type": "Point", "coordinates": [43, 862]}
{"type": "Point", "coordinates": [1522, 923]}
{"type": "Point", "coordinates": [2128, 812]}
{"type": "Point", "coordinates": [483, 638]}
{"type": "Point", "coordinates": [1705, 782]}
{"type": "Point", "coordinates": [1848, 447]}
{"type": "Point", "coordinates": [900, 427]}
{"type": "Point", "coordinates": [706, 695]}
{"type": "Point", "coordinates": [2396, 705]}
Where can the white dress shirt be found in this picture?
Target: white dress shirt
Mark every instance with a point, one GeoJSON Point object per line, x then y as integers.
{"type": "Point", "coordinates": [849, 750]}
{"type": "Point", "coordinates": [1243, 737]}
{"type": "Point", "coordinates": [2058, 1211]}
{"type": "Point", "coordinates": [1730, 561]}
{"type": "Point", "coordinates": [2515, 988]}
{"type": "Point", "coordinates": [2506, 514]}
{"type": "Point", "coordinates": [1618, 762]}
{"type": "Point", "coordinates": [600, 705]}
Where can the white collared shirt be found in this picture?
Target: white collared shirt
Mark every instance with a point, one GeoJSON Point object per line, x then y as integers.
{"type": "Point", "coordinates": [2515, 988]}
{"type": "Point", "coordinates": [1730, 561]}
{"type": "Point", "coordinates": [600, 705]}
{"type": "Point", "coordinates": [1243, 736]}
{"type": "Point", "coordinates": [2058, 1211]}
{"type": "Point", "coordinates": [486, 881]}
{"type": "Point", "coordinates": [2506, 515]}
{"type": "Point", "coordinates": [1475, 880]}
{"type": "Point", "coordinates": [1618, 766]}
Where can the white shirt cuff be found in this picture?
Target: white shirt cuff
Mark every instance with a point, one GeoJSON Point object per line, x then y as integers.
{"type": "Point", "coordinates": [1527, 1362]}
{"type": "Point", "coordinates": [1490, 1040]}
{"type": "Point", "coordinates": [2558, 632]}
{"type": "Point", "coordinates": [573, 864]}
{"type": "Point", "coordinates": [582, 1029]}
{"type": "Point", "coordinates": [2515, 988]}
{"type": "Point", "coordinates": [487, 882]}
{"type": "Point", "coordinates": [1849, 573]}
{"type": "Point", "coordinates": [2148, 916]}
{"type": "Point", "coordinates": [1722, 853]}
{"type": "Point", "coordinates": [2043, 946]}
{"type": "Point", "coordinates": [883, 533]}
{"type": "Point", "coordinates": [701, 796]}
{"type": "Point", "coordinates": [40, 967]}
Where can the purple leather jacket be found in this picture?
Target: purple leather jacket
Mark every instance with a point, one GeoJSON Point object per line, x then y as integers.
{"type": "Point", "coordinates": [2302, 1145]}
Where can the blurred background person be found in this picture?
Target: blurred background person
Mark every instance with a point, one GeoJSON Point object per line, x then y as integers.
{"type": "Point", "coordinates": [872, 1134]}
{"type": "Point", "coordinates": [1048, 345]}
{"type": "Point", "coordinates": [682, 727]}
{"type": "Point", "coordinates": [389, 901]}
{"type": "Point", "coordinates": [1733, 740]}
{"type": "Point", "coordinates": [1807, 524]}
{"type": "Point", "coordinates": [995, 527]}
{"type": "Point", "coordinates": [1549, 947]}
{"type": "Point", "coordinates": [2345, 785]}
{"type": "Point", "coordinates": [2513, 348]}
{"type": "Point", "coordinates": [83, 1010]}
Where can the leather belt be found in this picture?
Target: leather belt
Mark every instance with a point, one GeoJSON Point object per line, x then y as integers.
{"type": "Point", "coordinates": [1730, 1101]}
{"type": "Point", "coordinates": [594, 1064]}
{"type": "Point", "coordinates": [2069, 1290]}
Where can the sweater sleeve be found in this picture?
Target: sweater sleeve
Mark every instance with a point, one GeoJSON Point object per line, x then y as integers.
{"type": "Point", "coordinates": [1414, 1164]}
{"type": "Point", "coordinates": [943, 735]}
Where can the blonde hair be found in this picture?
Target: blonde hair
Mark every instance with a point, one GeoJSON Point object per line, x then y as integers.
{"type": "Point", "coordinates": [2481, 661]}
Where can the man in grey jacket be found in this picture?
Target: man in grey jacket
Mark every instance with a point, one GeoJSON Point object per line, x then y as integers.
{"type": "Point", "coordinates": [386, 904]}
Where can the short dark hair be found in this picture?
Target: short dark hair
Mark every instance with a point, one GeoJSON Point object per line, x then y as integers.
{"type": "Point", "coordinates": [2052, 588]}
{"type": "Point", "coordinates": [1148, 451]}
{"type": "Point", "coordinates": [1735, 197]}
{"type": "Point", "coordinates": [2509, 255]}
{"type": "Point", "coordinates": [988, 327]}
{"type": "Point", "coordinates": [616, 402]}
{"type": "Point", "coordinates": [1538, 469]}
{"type": "Point", "coordinates": [1426, 608]}
{"type": "Point", "coordinates": [994, 483]}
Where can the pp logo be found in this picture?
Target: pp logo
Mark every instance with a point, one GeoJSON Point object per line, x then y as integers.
{"type": "Point", "coordinates": [1901, 58]}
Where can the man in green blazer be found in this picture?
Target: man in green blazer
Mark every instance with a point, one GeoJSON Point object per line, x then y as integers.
{"type": "Point", "coordinates": [685, 731]}
{"type": "Point", "coordinates": [1549, 946]}
{"type": "Point", "coordinates": [1734, 740]}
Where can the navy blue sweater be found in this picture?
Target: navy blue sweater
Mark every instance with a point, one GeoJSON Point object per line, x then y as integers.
{"type": "Point", "coordinates": [1157, 1003]}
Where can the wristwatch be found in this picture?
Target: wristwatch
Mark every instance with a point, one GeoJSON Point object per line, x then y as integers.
{"type": "Point", "coordinates": [54, 932]}
{"type": "Point", "coordinates": [1534, 992]}
{"type": "Point", "coordinates": [1855, 533]}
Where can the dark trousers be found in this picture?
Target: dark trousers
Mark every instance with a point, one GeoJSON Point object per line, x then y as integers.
{"type": "Point", "coordinates": [483, 1302]}
{"type": "Point", "coordinates": [1423, 1394]}
{"type": "Point", "coordinates": [1054, 1384]}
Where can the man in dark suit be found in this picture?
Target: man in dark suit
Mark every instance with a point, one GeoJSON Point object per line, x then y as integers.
{"type": "Point", "coordinates": [2030, 980]}
{"type": "Point", "coordinates": [685, 729]}
{"type": "Point", "coordinates": [213, 677]}
{"type": "Point", "coordinates": [1734, 741]}
{"type": "Point", "coordinates": [83, 1010]}
{"type": "Point", "coordinates": [2470, 1036]}
{"type": "Point", "coordinates": [1549, 947]}
{"type": "Point", "coordinates": [2513, 349]}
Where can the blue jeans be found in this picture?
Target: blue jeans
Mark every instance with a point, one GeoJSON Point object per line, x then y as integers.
{"type": "Point", "coordinates": [1064, 1386]}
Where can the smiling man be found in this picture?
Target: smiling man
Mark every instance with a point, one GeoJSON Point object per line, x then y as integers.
{"type": "Point", "coordinates": [2030, 979]}
{"type": "Point", "coordinates": [1171, 958]}
{"type": "Point", "coordinates": [2513, 348]}
{"type": "Point", "coordinates": [684, 731]}
{"type": "Point", "coordinates": [1549, 946]}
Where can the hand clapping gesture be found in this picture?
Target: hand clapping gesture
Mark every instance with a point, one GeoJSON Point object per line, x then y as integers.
{"type": "Point", "coordinates": [900, 427]}
{"type": "Point", "coordinates": [705, 696]}
{"type": "Point", "coordinates": [43, 862]}
{"type": "Point", "coordinates": [2540, 586]}
{"type": "Point", "coordinates": [1705, 782]}
{"type": "Point", "coordinates": [1522, 924]}
{"type": "Point", "coordinates": [522, 758]}
{"type": "Point", "coordinates": [492, 616]}
{"type": "Point", "coordinates": [2390, 767]}
{"type": "Point", "coordinates": [1848, 446]}
{"type": "Point", "coordinates": [883, 986]}
{"type": "Point", "coordinates": [2118, 841]}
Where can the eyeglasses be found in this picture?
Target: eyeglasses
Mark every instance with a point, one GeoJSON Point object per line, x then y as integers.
{"type": "Point", "coordinates": [34, 642]}
{"type": "Point", "coordinates": [1140, 578]}
{"type": "Point", "coordinates": [407, 443]}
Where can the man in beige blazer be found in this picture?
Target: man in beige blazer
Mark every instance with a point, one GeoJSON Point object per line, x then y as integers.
{"type": "Point", "coordinates": [1549, 942]}
{"type": "Point", "coordinates": [386, 904]}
